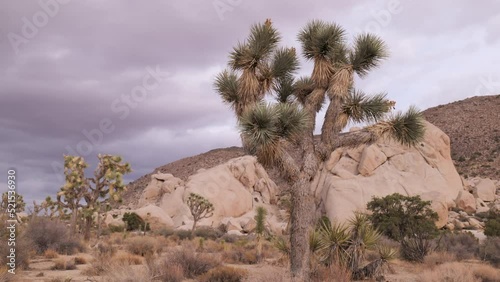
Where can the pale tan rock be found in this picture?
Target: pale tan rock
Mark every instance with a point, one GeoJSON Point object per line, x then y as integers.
{"type": "Point", "coordinates": [371, 158]}
{"type": "Point", "coordinates": [250, 226]}
{"type": "Point", "coordinates": [345, 168]}
{"type": "Point", "coordinates": [481, 206]}
{"type": "Point", "coordinates": [408, 171]}
{"type": "Point", "coordinates": [439, 205]}
{"type": "Point", "coordinates": [232, 225]}
{"type": "Point", "coordinates": [450, 226]}
{"type": "Point", "coordinates": [458, 224]}
{"type": "Point", "coordinates": [160, 184]}
{"type": "Point", "coordinates": [334, 158]}
{"type": "Point", "coordinates": [355, 153]}
{"type": "Point", "coordinates": [155, 216]}
{"type": "Point", "coordinates": [485, 190]}
{"type": "Point", "coordinates": [466, 202]}
{"type": "Point", "coordinates": [474, 223]}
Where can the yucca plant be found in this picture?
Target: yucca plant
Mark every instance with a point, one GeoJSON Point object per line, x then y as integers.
{"type": "Point", "coordinates": [258, 66]}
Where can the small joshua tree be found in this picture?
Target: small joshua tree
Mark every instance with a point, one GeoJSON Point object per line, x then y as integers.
{"type": "Point", "coordinates": [12, 202]}
{"type": "Point", "coordinates": [260, 228]}
{"type": "Point", "coordinates": [199, 207]}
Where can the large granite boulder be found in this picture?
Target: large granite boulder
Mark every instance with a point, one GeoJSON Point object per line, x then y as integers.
{"type": "Point", "coordinates": [352, 177]}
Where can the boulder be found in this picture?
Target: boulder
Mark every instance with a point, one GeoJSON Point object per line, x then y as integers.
{"type": "Point", "coordinates": [425, 168]}
{"type": "Point", "coordinates": [155, 216]}
{"type": "Point", "coordinates": [160, 184]}
{"type": "Point", "coordinates": [371, 158]}
{"type": "Point", "coordinates": [231, 187]}
{"type": "Point", "coordinates": [485, 190]}
{"type": "Point", "coordinates": [466, 202]}
{"type": "Point", "coordinates": [250, 226]}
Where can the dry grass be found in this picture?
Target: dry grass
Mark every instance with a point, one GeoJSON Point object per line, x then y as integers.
{"type": "Point", "coordinates": [165, 270]}
{"type": "Point", "coordinates": [322, 273]}
{"type": "Point", "coordinates": [194, 264]}
{"type": "Point", "coordinates": [127, 259]}
{"type": "Point", "coordinates": [50, 254]}
{"type": "Point", "coordinates": [438, 258]}
{"type": "Point", "coordinates": [128, 274]}
{"type": "Point", "coordinates": [80, 260]}
{"type": "Point", "coordinates": [224, 274]}
{"type": "Point", "coordinates": [64, 264]}
{"type": "Point", "coordinates": [486, 273]}
{"type": "Point", "coordinates": [143, 246]}
{"type": "Point", "coordinates": [453, 271]}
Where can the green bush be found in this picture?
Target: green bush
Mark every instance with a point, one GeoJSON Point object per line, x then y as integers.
{"type": "Point", "coordinates": [398, 217]}
{"type": "Point", "coordinates": [492, 225]}
{"type": "Point", "coordinates": [135, 222]}
{"type": "Point", "coordinates": [408, 220]}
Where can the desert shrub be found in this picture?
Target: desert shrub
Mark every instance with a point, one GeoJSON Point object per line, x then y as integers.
{"type": "Point", "coordinates": [230, 238]}
{"type": "Point", "coordinates": [134, 222]}
{"type": "Point", "coordinates": [492, 227]}
{"type": "Point", "coordinates": [224, 274]}
{"type": "Point", "coordinates": [398, 216]}
{"type": "Point", "coordinates": [50, 254]}
{"type": "Point", "coordinates": [490, 250]}
{"type": "Point", "coordinates": [320, 273]}
{"type": "Point", "coordinates": [408, 220]}
{"type": "Point", "coordinates": [486, 273]}
{"type": "Point", "coordinates": [142, 246]}
{"type": "Point", "coordinates": [165, 270]}
{"type": "Point", "coordinates": [453, 271]}
{"type": "Point", "coordinates": [437, 258]}
{"type": "Point", "coordinates": [415, 249]}
{"type": "Point", "coordinates": [462, 245]}
{"type": "Point", "coordinates": [239, 254]}
{"type": "Point", "coordinates": [70, 246]}
{"type": "Point", "coordinates": [165, 232]}
{"type": "Point", "coordinates": [184, 234]}
{"type": "Point", "coordinates": [64, 264]}
{"type": "Point", "coordinates": [116, 228]}
{"type": "Point", "coordinates": [80, 260]}
{"type": "Point", "coordinates": [46, 233]}
{"type": "Point", "coordinates": [23, 249]}
{"type": "Point", "coordinates": [102, 260]}
{"type": "Point", "coordinates": [194, 264]}
{"type": "Point", "coordinates": [208, 233]}
{"type": "Point", "coordinates": [127, 274]}
{"type": "Point", "coordinates": [126, 259]}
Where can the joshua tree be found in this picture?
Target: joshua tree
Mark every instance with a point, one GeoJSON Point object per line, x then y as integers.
{"type": "Point", "coordinates": [12, 202]}
{"type": "Point", "coordinates": [260, 228]}
{"type": "Point", "coordinates": [258, 67]}
{"type": "Point", "coordinates": [106, 186]}
{"type": "Point", "coordinates": [199, 207]}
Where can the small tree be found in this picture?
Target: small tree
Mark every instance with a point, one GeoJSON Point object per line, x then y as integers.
{"type": "Point", "coordinates": [260, 229]}
{"type": "Point", "coordinates": [409, 220]}
{"type": "Point", "coordinates": [97, 192]}
{"type": "Point", "coordinates": [199, 207]}
{"type": "Point", "coordinates": [12, 202]}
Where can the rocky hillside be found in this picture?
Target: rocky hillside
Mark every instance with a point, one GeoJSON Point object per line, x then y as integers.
{"type": "Point", "coordinates": [473, 126]}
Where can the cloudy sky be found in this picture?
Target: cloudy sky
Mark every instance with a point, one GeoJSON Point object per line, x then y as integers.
{"type": "Point", "coordinates": [135, 79]}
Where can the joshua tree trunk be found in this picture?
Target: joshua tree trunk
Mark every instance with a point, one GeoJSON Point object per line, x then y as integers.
{"type": "Point", "coordinates": [88, 226]}
{"type": "Point", "coordinates": [302, 214]}
{"type": "Point", "coordinates": [74, 217]}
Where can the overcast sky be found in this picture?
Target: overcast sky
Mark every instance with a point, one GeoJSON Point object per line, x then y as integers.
{"type": "Point", "coordinates": [134, 78]}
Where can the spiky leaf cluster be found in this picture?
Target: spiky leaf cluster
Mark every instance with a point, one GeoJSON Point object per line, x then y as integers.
{"type": "Point", "coordinates": [265, 125]}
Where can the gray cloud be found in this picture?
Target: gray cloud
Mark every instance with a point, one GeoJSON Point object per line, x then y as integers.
{"type": "Point", "coordinates": [78, 69]}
